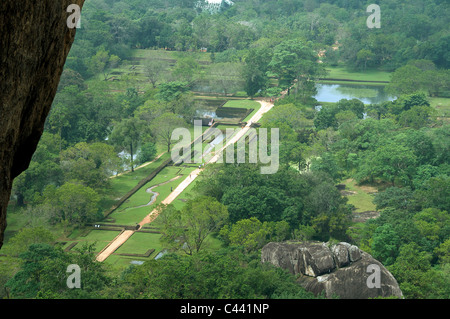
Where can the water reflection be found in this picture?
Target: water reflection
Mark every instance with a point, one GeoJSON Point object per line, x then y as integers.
{"type": "Point", "coordinates": [368, 94]}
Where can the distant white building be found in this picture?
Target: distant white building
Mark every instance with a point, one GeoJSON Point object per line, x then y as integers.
{"type": "Point", "coordinates": [213, 6]}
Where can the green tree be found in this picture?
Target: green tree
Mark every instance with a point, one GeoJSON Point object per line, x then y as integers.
{"type": "Point", "coordinates": [71, 77]}
{"type": "Point", "coordinates": [262, 202]}
{"type": "Point", "coordinates": [33, 181]}
{"type": "Point", "coordinates": [406, 80]}
{"type": "Point", "coordinates": [20, 242]}
{"type": "Point", "coordinates": [391, 162]}
{"type": "Point", "coordinates": [154, 70]}
{"type": "Point", "coordinates": [294, 60]}
{"type": "Point", "coordinates": [170, 91]}
{"type": "Point", "coordinates": [53, 277]}
{"type": "Point", "coordinates": [187, 229]}
{"type": "Point", "coordinates": [345, 116]}
{"type": "Point", "coordinates": [443, 252]}
{"type": "Point", "coordinates": [326, 163]}
{"type": "Point", "coordinates": [163, 128]}
{"type": "Point", "coordinates": [225, 76]}
{"type": "Point", "coordinates": [431, 223]}
{"type": "Point", "coordinates": [247, 193]}
{"type": "Point", "coordinates": [127, 135]}
{"type": "Point", "coordinates": [416, 117]}
{"type": "Point", "coordinates": [326, 210]}
{"type": "Point", "coordinates": [26, 282]}
{"type": "Point", "coordinates": [44, 169]}
{"type": "Point", "coordinates": [364, 56]}
{"type": "Point", "coordinates": [43, 274]}
{"type": "Point", "coordinates": [408, 101]}
{"type": "Point", "coordinates": [434, 193]}
{"type": "Point", "coordinates": [252, 234]}
{"type": "Point", "coordinates": [378, 111]}
{"type": "Point", "coordinates": [195, 277]}
{"type": "Point", "coordinates": [75, 203]}
{"type": "Point", "coordinates": [103, 62]}
{"type": "Point", "coordinates": [92, 164]}
{"type": "Point", "coordinates": [395, 197]}
{"type": "Point", "coordinates": [385, 244]}
{"type": "Point", "coordinates": [147, 152]}
{"type": "Point", "coordinates": [255, 70]}
{"type": "Point", "coordinates": [353, 105]}
{"type": "Point", "coordinates": [186, 69]}
{"type": "Point", "coordinates": [413, 271]}
{"type": "Point", "coordinates": [326, 118]}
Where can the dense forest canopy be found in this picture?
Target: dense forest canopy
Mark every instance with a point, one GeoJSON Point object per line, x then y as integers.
{"type": "Point", "coordinates": [410, 30]}
{"type": "Point", "coordinates": [133, 76]}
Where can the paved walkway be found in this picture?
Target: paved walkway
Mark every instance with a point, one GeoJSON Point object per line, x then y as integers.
{"type": "Point", "coordinates": [114, 244]}
{"type": "Point", "coordinates": [123, 237]}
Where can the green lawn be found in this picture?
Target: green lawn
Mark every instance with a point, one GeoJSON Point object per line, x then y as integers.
{"type": "Point", "coordinates": [122, 184]}
{"type": "Point", "coordinates": [100, 238]}
{"type": "Point", "coordinates": [141, 197]}
{"type": "Point", "coordinates": [441, 104]}
{"type": "Point", "coordinates": [163, 54]}
{"type": "Point", "coordinates": [187, 194]}
{"type": "Point", "coordinates": [16, 220]}
{"type": "Point", "coordinates": [245, 104]}
{"type": "Point", "coordinates": [362, 200]}
{"type": "Point", "coordinates": [130, 214]}
{"type": "Point", "coordinates": [139, 243]}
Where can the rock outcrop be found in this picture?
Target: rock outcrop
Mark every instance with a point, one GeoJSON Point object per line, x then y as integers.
{"type": "Point", "coordinates": [341, 270]}
{"type": "Point", "coordinates": [35, 41]}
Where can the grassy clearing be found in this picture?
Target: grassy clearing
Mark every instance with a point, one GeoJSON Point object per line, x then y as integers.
{"type": "Point", "coordinates": [186, 195]}
{"type": "Point", "coordinates": [16, 220]}
{"type": "Point", "coordinates": [99, 235]}
{"type": "Point", "coordinates": [139, 243]}
{"type": "Point", "coordinates": [100, 238]}
{"type": "Point", "coordinates": [122, 184]}
{"type": "Point", "coordinates": [441, 104]}
{"type": "Point", "coordinates": [361, 199]}
{"type": "Point", "coordinates": [212, 242]}
{"type": "Point", "coordinates": [163, 54]}
{"type": "Point", "coordinates": [245, 104]}
{"type": "Point", "coordinates": [130, 214]}
{"type": "Point", "coordinates": [141, 197]}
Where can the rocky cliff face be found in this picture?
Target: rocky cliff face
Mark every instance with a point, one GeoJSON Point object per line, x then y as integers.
{"type": "Point", "coordinates": [339, 270]}
{"type": "Point", "coordinates": [35, 42]}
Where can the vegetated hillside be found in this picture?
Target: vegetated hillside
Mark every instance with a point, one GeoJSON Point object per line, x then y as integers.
{"type": "Point", "coordinates": [411, 30]}
{"type": "Point", "coordinates": [131, 78]}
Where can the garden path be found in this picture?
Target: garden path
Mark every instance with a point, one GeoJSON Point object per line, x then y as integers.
{"type": "Point", "coordinates": [123, 237]}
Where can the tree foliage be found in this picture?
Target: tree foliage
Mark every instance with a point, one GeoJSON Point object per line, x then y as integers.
{"type": "Point", "coordinates": [188, 229]}
{"type": "Point", "coordinates": [190, 277]}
